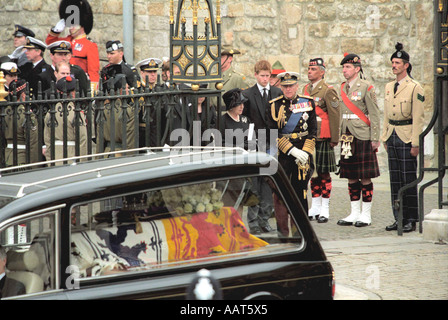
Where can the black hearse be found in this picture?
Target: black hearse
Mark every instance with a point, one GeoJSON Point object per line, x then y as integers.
{"type": "Point", "coordinates": [141, 224]}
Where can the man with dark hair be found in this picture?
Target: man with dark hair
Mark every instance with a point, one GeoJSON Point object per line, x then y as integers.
{"type": "Point", "coordinates": [8, 286]}
{"type": "Point", "coordinates": [117, 65]}
{"type": "Point", "coordinates": [327, 113]}
{"type": "Point", "coordinates": [360, 133]}
{"type": "Point", "coordinates": [20, 34]}
{"type": "Point", "coordinates": [403, 123]}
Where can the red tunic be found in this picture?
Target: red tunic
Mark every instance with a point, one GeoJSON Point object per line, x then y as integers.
{"type": "Point", "coordinates": [84, 54]}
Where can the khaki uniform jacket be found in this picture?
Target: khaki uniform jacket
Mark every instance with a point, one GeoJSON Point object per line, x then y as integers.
{"type": "Point", "coordinates": [130, 132]}
{"type": "Point", "coordinates": [406, 104]}
{"type": "Point", "coordinates": [22, 136]}
{"type": "Point", "coordinates": [71, 134]}
{"type": "Point", "coordinates": [326, 97]}
{"type": "Point", "coordinates": [362, 94]}
{"type": "Point", "coordinates": [231, 80]}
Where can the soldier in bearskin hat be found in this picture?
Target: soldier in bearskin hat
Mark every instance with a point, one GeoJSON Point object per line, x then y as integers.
{"type": "Point", "coordinates": [360, 133]}
{"type": "Point", "coordinates": [84, 51]}
{"type": "Point", "coordinates": [403, 123]}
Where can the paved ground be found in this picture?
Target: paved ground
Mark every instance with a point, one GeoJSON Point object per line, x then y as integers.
{"type": "Point", "coordinates": [371, 263]}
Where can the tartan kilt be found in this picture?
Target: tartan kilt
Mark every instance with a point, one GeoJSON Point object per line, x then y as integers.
{"type": "Point", "coordinates": [325, 160]}
{"type": "Point", "coordinates": [363, 164]}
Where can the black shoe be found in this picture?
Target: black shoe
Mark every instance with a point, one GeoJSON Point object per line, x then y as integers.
{"type": "Point", "coordinates": [255, 230]}
{"type": "Point", "coordinates": [361, 224]}
{"type": "Point", "coordinates": [315, 217]}
{"type": "Point", "coordinates": [322, 220]}
{"type": "Point", "coordinates": [344, 223]}
{"type": "Point", "coordinates": [392, 227]}
{"type": "Point", "coordinates": [409, 227]}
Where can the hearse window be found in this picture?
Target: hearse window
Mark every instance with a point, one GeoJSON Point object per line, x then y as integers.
{"type": "Point", "coordinates": [29, 249]}
{"type": "Point", "coordinates": [186, 224]}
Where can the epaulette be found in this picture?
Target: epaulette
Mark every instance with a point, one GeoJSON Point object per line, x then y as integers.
{"type": "Point", "coordinates": [303, 96]}
{"type": "Point", "coordinates": [275, 99]}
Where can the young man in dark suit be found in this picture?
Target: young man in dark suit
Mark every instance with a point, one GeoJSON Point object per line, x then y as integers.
{"type": "Point", "coordinates": [258, 97]}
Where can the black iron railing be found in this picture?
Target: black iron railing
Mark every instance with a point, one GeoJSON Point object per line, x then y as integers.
{"type": "Point", "coordinates": [105, 121]}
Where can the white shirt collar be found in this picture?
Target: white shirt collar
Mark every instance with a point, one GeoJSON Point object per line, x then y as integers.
{"type": "Point", "coordinates": [36, 63]}
{"type": "Point", "coordinates": [260, 88]}
{"type": "Point", "coordinates": [2, 275]}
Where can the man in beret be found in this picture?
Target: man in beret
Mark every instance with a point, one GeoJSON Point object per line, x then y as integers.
{"type": "Point", "coordinates": [118, 65]}
{"type": "Point", "coordinates": [403, 123]}
{"type": "Point", "coordinates": [328, 113]}
{"type": "Point", "coordinates": [84, 51]}
{"type": "Point", "coordinates": [20, 34]}
{"type": "Point", "coordinates": [294, 117]}
{"type": "Point", "coordinates": [31, 70]}
{"type": "Point", "coordinates": [360, 133]}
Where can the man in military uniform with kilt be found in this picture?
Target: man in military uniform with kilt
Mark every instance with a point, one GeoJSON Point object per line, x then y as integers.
{"type": "Point", "coordinates": [360, 131]}
{"type": "Point", "coordinates": [328, 118]}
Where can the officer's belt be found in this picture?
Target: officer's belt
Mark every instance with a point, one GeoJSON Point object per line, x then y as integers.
{"type": "Point", "coordinates": [400, 122]}
{"type": "Point", "coordinates": [295, 135]}
{"type": "Point", "coordinates": [19, 146]}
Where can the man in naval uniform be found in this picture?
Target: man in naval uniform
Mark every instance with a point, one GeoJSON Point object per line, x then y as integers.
{"type": "Point", "coordinates": [328, 113]}
{"type": "Point", "coordinates": [20, 34]}
{"type": "Point", "coordinates": [403, 123]}
{"type": "Point", "coordinates": [148, 69]}
{"type": "Point", "coordinates": [294, 117]}
{"type": "Point", "coordinates": [60, 51]}
{"type": "Point", "coordinates": [31, 70]}
{"type": "Point", "coordinates": [360, 133]}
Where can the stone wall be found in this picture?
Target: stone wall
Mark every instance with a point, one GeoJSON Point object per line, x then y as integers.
{"type": "Point", "coordinates": [292, 31]}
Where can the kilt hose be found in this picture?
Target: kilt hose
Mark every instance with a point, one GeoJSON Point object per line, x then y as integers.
{"type": "Point", "coordinates": [363, 164]}
{"type": "Point", "coordinates": [402, 171]}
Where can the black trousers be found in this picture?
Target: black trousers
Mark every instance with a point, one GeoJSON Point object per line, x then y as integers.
{"type": "Point", "coordinates": [298, 178]}
{"type": "Point", "coordinates": [402, 170]}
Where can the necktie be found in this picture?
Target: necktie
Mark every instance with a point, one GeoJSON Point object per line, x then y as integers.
{"type": "Point", "coordinates": [347, 88]}
{"type": "Point", "coordinates": [396, 87]}
{"type": "Point", "coordinates": [265, 94]}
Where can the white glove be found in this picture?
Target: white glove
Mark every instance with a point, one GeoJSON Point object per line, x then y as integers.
{"type": "Point", "coordinates": [59, 27]}
{"type": "Point", "coordinates": [300, 155]}
{"type": "Point", "coordinates": [17, 53]}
